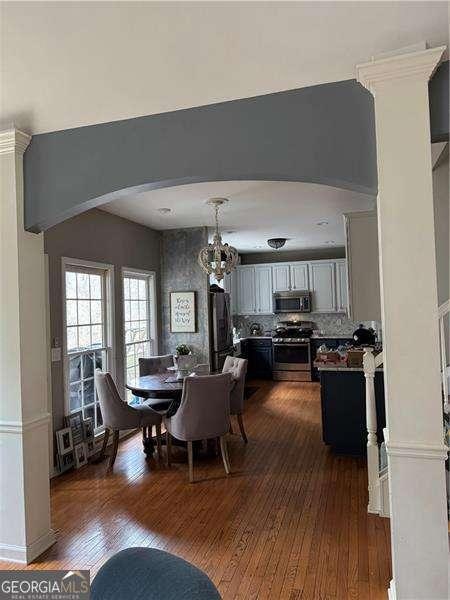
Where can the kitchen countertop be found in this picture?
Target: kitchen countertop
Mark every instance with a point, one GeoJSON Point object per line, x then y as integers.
{"type": "Point", "coordinates": [342, 336]}
{"type": "Point", "coordinates": [342, 368]}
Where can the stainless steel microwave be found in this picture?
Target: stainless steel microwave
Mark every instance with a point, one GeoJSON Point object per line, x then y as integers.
{"type": "Point", "coordinates": [292, 302]}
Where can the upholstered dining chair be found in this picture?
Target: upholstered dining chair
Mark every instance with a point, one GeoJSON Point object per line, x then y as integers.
{"type": "Point", "coordinates": [118, 415]}
{"type": "Point", "coordinates": [202, 369]}
{"type": "Point", "coordinates": [155, 364]}
{"type": "Point", "coordinates": [204, 413]}
{"type": "Point", "coordinates": [238, 369]}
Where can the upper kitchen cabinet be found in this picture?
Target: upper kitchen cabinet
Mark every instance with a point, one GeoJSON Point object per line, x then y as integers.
{"type": "Point", "coordinates": [263, 289]}
{"type": "Point", "coordinates": [254, 289]}
{"type": "Point", "coordinates": [361, 231]}
{"type": "Point", "coordinates": [288, 277]}
{"type": "Point", "coordinates": [230, 286]}
{"type": "Point", "coordinates": [299, 276]}
{"type": "Point", "coordinates": [322, 286]}
{"type": "Point", "coordinates": [341, 286]}
{"type": "Point", "coordinates": [246, 297]}
{"type": "Point", "coordinates": [281, 278]}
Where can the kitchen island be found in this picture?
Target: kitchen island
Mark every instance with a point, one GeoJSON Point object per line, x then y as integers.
{"type": "Point", "coordinates": [343, 400]}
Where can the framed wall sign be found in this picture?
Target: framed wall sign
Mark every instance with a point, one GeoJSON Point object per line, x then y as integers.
{"type": "Point", "coordinates": [182, 312]}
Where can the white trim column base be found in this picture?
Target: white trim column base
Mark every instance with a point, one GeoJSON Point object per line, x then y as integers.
{"type": "Point", "coordinates": [25, 526]}
{"type": "Point", "coordinates": [26, 554]}
{"type": "Point", "coordinates": [414, 444]}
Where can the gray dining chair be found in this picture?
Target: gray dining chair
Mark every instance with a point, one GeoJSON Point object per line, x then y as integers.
{"type": "Point", "coordinates": [238, 369]}
{"type": "Point", "coordinates": [204, 413]}
{"type": "Point", "coordinates": [202, 369]}
{"type": "Point", "coordinates": [155, 364]}
{"type": "Point", "coordinates": [118, 415]}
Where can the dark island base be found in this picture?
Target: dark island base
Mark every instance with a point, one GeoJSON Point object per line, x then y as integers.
{"type": "Point", "coordinates": [343, 400]}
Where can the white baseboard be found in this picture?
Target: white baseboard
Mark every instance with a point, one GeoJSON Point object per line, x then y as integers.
{"type": "Point", "coordinates": [392, 595]}
{"type": "Point", "coordinates": [26, 554]}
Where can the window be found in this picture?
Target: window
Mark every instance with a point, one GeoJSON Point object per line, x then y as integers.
{"type": "Point", "coordinates": [86, 336]}
{"type": "Point", "coordinates": [139, 321]}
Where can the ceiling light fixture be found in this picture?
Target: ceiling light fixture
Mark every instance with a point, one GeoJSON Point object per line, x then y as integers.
{"type": "Point", "coordinates": [321, 223]}
{"type": "Point", "coordinates": [164, 210]}
{"type": "Point", "coordinates": [217, 258]}
{"type": "Point", "coordinates": [277, 242]}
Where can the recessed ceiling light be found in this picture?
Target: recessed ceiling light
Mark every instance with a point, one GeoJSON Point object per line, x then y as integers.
{"type": "Point", "coordinates": [229, 232]}
{"type": "Point", "coordinates": [330, 242]}
{"type": "Point", "coordinates": [164, 210]}
{"type": "Point", "coordinates": [321, 223]}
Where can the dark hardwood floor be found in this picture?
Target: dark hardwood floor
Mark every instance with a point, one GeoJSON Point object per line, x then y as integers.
{"type": "Point", "coordinates": [290, 522]}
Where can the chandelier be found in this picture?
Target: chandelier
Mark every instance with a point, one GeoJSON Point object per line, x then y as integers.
{"type": "Point", "coordinates": [217, 258]}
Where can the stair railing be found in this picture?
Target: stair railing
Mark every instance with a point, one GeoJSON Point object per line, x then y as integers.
{"type": "Point", "coordinates": [370, 364]}
{"type": "Point", "coordinates": [443, 311]}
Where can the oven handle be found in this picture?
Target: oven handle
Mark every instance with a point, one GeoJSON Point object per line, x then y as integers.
{"type": "Point", "coordinates": [289, 345]}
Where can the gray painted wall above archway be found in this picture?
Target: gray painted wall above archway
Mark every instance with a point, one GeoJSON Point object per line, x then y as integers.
{"type": "Point", "coordinates": [321, 134]}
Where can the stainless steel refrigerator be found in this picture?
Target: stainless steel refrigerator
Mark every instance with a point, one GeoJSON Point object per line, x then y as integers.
{"type": "Point", "coordinates": [220, 327]}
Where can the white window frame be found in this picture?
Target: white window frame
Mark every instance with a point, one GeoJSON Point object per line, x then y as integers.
{"type": "Point", "coordinates": [108, 270]}
{"type": "Point", "coordinates": [152, 312]}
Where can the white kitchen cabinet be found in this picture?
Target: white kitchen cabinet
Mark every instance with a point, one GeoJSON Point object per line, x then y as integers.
{"type": "Point", "coordinates": [263, 289]}
{"type": "Point", "coordinates": [281, 278]}
{"type": "Point", "coordinates": [299, 276]}
{"type": "Point", "coordinates": [322, 286]}
{"type": "Point", "coordinates": [341, 286]}
{"type": "Point", "coordinates": [230, 286]}
{"type": "Point", "coordinates": [246, 298]}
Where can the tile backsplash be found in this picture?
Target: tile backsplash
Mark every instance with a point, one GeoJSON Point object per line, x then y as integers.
{"type": "Point", "coordinates": [327, 323]}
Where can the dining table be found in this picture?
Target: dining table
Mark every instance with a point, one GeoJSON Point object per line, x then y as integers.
{"type": "Point", "coordinates": [162, 392]}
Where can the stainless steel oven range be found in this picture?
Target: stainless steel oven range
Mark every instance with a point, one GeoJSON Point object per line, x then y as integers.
{"type": "Point", "coordinates": [292, 351]}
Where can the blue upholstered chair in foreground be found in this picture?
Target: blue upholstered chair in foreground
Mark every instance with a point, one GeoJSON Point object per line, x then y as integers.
{"type": "Point", "coordinates": [150, 574]}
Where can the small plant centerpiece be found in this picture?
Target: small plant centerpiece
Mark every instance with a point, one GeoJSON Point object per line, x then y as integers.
{"type": "Point", "coordinates": [184, 360]}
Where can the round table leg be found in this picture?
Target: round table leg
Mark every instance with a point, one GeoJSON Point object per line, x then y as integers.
{"type": "Point", "coordinates": [147, 441]}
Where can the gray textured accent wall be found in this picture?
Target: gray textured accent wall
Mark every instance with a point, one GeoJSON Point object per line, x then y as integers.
{"type": "Point", "coordinates": [256, 258]}
{"type": "Point", "coordinates": [100, 237]}
{"type": "Point", "coordinates": [180, 272]}
{"type": "Point", "coordinates": [320, 134]}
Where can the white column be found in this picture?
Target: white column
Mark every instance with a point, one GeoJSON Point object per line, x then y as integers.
{"type": "Point", "coordinates": [25, 530]}
{"type": "Point", "coordinates": [372, 441]}
{"type": "Point", "coordinates": [414, 446]}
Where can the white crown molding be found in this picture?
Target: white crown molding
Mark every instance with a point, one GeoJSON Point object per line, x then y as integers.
{"type": "Point", "coordinates": [413, 64]}
{"type": "Point", "coordinates": [14, 141]}
{"type": "Point", "coordinates": [417, 450]}
{"type": "Point", "coordinates": [20, 427]}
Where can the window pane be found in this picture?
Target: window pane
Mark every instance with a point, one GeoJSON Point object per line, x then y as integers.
{"type": "Point", "coordinates": [97, 335]}
{"type": "Point", "coordinates": [71, 285]}
{"type": "Point", "coordinates": [143, 331]}
{"type": "Point", "coordinates": [75, 396]}
{"type": "Point", "coordinates": [134, 290]}
{"type": "Point", "coordinates": [96, 311]}
{"type": "Point", "coordinates": [84, 315]}
{"type": "Point", "coordinates": [84, 336]}
{"type": "Point", "coordinates": [127, 310]}
{"type": "Point", "coordinates": [88, 412]}
{"type": "Point", "coordinates": [142, 310]}
{"type": "Point", "coordinates": [75, 369]}
{"type": "Point", "coordinates": [88, 392]}
{"type": "Point", "coordinates": [134, 310]}
{"type": "Point", "coordinates": [126, 288]}
{"type": "Point", "coordinates": [99, 417]}
{"type": "Point", "coordinates": [72, 338]}
{"type": "Point", "coordinates": [88, 366]}
{"type": "Point", "coordinates": [96, 286]}
{"type": "Point", "coordinates": [82, 285]}
{"type": "Point", "coordinates": [99, 360]}
{"type": "Point", "coordinates": [142, 289]}
{"type": "Point", "coordinates": [71, 312]}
